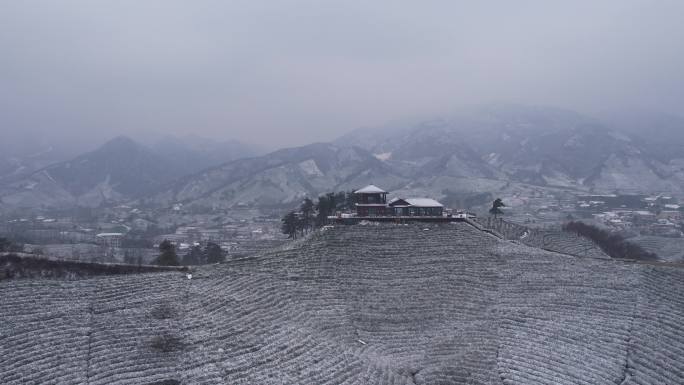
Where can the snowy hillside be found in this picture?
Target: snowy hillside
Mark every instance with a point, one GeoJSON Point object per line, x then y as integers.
{"type": "Point", "coordinates": [356, 305]}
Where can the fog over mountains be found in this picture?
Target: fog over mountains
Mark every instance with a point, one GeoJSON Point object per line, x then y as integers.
{"type": "Point", "coordinates": [492, 148]}
{"type": "Point", "coordinates": [118, 171]}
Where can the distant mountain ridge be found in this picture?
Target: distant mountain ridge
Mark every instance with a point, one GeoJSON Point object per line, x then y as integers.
{"type": "Point", "coordinates": [494, 148]}
{"type": "Point", "coordinates": [541, 146]}
{"type": "Point", "coordinates": [483, 150]}
{"type": "Point", "coordinates": [193, 153]}
{"type": "Point", "coordinates": [281, 177]}
{"type": "Point", "coordinates": [118, 171]}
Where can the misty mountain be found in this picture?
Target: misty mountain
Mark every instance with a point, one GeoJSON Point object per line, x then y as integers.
{"type": "Point", "coordinates": [661, 136]}
{"type": "Point", "coordinates": [488, 149]}
{"type": "Point", "coordinates": [118, 170]}
{"type": "Point", "coordinates": [493, 148]}
{"type": "Point", "coordinates": [192, 153]}
{"type": "Point", "coordinates": [19, 159]}
{"type": "Point", "coordinates": [281, 177]}
{"type": "Point", "coordinates": [534, 145]}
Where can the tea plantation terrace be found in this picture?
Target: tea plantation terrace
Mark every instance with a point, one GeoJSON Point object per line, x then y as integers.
{"type": "Point", "coordinates": [377, 304]}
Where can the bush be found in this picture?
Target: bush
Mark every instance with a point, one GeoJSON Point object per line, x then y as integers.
{"type": "Point", "coordinates": [166, 343]}
{"type": "Point", "coordinates": [167, 256]}
{"type": "Point", "coordinates": [163, 311]}
{"type": "Point", "coordinates": [15, 267]}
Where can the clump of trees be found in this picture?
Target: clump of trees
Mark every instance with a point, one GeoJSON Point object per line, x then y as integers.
{"type": "Point", "coordinates": [166, 342]}
{"type": "Point", "coordinates": [163, 311]}
{"type": "Point", "coordinates": [167, 254]}
{"type": "Point", "coordinates": [212, 253]}
{"type": "Point", "coordinates": [312, 215]}
{"type": "Point", "coordinates": [612, 244]}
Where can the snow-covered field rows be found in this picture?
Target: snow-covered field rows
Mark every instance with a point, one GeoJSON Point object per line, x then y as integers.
{"type": "Point", "coordinates": [553, 240]}
{"type": "Point", "coordinates": [667, 249]}
{"type": "Point", "coordinates": [566, 243]}
{"type": "Point", "coordinates": [419, 304]}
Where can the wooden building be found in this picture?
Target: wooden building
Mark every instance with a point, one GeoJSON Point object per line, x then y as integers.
{"type": "Point", "coordinates": [415, 207]}
{"type": "Point", "coordinates": [372, 202]}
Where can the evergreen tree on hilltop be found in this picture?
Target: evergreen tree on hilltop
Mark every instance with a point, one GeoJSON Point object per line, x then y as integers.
{"type": "Point", "coordinates": [167, 254]}
{"type": "Point", "coordinates": [326, 206]}
{"type": "Point", "coordinates": [307, 209]}
{"type": "Point", "coordinates": [289, 225]}
{"type": "Point", "coordinates": [496, 207]}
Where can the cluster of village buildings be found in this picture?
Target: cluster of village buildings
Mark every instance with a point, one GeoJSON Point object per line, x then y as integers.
{"type": "Point", "coordinates": [658, 215]}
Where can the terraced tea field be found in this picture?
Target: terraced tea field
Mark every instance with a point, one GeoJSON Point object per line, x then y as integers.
{"type": "Point", "coordinates": [419, 304]}
{"type": "Point", "coordinates": [668, 249]}
{"type": "Point", "coordinates": [553, 240]}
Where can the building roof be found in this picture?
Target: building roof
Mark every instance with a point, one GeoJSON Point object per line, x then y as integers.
{"type": "Point", "coordinates": [370, 189]}
{"type": "Point", "coordinates": [423, 202]}
{"type": "Point", "coordinates": [398, 202]}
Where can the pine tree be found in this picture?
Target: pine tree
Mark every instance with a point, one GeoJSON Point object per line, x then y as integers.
{"type": "Point", "coordinates": [289, 225]}
{"type": "Point", "coordinates": [307, 209]}
{"type": "Point", "coordinates": [323, 210]}
{"type": "Point", "coordinates": [193, 257]}
{"type": "Point", "coordinates": [496, 207]}
{"type": "Point", "coordinates": [213, 253]}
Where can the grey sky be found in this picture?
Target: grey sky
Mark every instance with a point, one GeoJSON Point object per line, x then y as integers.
{"type": "Point", "coordinates": [288, 72]}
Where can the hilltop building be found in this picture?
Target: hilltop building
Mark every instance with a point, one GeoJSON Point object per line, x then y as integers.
{"type": "Point", "coordinates": [423, 207]}
{"type": "Point", "coordinates": [372, 202]}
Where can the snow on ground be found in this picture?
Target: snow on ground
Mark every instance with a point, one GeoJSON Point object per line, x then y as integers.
{"type": "Point", "coordinates": [310, 167]}
{"type": "Point", "coordinates": [356, 305]}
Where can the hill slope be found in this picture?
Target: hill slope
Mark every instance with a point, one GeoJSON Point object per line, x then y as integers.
{"type": "Point", "coordinates": [537, 145]}
{"type": "Point", "coordinates": [489, 149]}
{"type": "Point", "coordinates": [119, 170]}
{"type": "Point", "coordinates": [281, 177]}
{"type": "Point", "coordinates": [356, 305]}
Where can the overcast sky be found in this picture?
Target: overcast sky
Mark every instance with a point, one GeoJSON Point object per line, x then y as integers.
{"type": "Point", "coordinates": [285, 72]}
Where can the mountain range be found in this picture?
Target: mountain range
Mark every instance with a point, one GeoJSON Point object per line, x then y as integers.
{"type": "Point", "coordinates": [118, 171]}
{"type": "Point", "coordinates": [491, 148]}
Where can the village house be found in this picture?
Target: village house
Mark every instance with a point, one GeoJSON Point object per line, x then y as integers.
{"type": "Point", "coordinates": [109, 240]}
{"type": "Point", "coordinates": [372, 202]}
